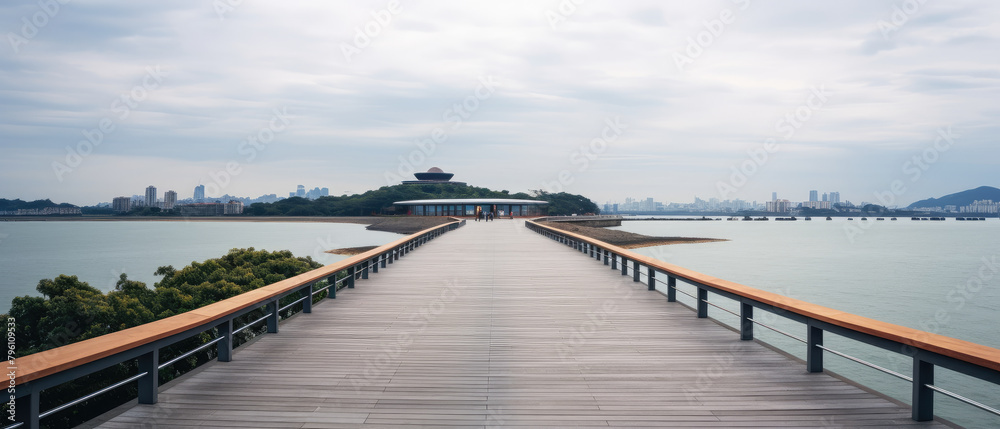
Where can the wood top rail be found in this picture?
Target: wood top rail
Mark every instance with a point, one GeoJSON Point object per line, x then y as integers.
{"type": "Point", "coordinates": [966, 351]}
{"type": "Point", "coordinates": [42, 364]}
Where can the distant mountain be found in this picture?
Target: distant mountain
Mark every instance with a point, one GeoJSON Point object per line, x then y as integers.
{"type": "Point", "coordinates": [963, 198]}
{"type": "Point", "coordinates": [11, 205]}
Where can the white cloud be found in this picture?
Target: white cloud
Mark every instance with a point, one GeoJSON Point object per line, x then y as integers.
{"type": "Point", "coordinates": [352, 119]}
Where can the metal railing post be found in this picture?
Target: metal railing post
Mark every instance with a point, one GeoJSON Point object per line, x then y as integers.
{"type": "Point", "coordinates": [605, 251]}
{"type": "Point", "coordinates": [307, 305]}
{"type": "Point", "coordinates": [624, 266]}
{"type": "Point", "coordinates": [635, 271]}
{"type": "Point", "coordinates": [272, 317]}
{"type": "Point", "coordinates": [652, 278]}
{"type": "Point", "coordinates": [702, 303]}
{"type": "Point", "coordinates": [671, 289]}
{"type": "Point", "coordinates": [331, 292]}
{"type": "Point", "coordinates": [351, 272]}
{"type": "Point", "coordinates": [814, 354]}
{"type": "Point", "coordinates": [373, 262]}
{"type": "Point", "coordinates": [614, 261]}
{"type": "Point", "coordinates": [364, 270]}
{"type": "Point", "coordinates": [746, 325]}
{"type": "Point", "coordinates": [149, 384]}
{"type": "Point", "coordinates": [225, 347]}
{"type": "Point", "coordinates": [923, 396]}
{"type": "Point", "coordinates": [382, 259]}
{"type": "Point", "coordinates": [29, 410]}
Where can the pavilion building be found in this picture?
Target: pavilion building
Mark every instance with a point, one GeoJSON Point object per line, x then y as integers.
{"type": "Point", "coordinates": [499, 207]}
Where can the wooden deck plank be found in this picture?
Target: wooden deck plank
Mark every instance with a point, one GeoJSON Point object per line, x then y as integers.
{"type": "Point", "coordinates": [493, 325]}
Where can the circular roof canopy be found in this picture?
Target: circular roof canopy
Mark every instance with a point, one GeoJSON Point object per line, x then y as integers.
{"type": "Point", "coordinates": [470, 201]}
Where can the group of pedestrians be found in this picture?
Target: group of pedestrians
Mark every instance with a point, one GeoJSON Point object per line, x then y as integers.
{"type": "Point", "coordinates": [484, 216]}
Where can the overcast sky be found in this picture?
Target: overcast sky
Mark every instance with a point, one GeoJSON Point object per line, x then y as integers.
{"type": "Point", "coordinates": [605, 99]}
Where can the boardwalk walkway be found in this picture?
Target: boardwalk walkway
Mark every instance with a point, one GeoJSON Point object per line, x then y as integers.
{"type": "Point", "coordinates": [495, 326]}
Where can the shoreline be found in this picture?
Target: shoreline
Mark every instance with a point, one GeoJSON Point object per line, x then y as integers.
{"type": "Point", "coordinates": [399, 225]}
{"type": "Point", "coordinates": [627, 240]}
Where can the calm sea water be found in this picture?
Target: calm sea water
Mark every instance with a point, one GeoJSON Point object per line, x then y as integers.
{"type": "Point", "coordinates": [934, 276]}
{"type": "Point", "coordinates": [940, 277]}
{"type": "Point", "coordinates": [98, 252]}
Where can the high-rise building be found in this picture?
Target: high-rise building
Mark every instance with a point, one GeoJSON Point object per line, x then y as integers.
{"type": "Point", "coordinates": [825, 196]}
{"type": "Point", "coordinates": [834, 198]}
{"type": "Point", "coordinates": [779, 206]}
{"type": "Point", "coordinates": [774, 196]}
{"type": "Point", "coordinates": [199, 193]}
{"type": "Point", "coordinates": [300, 191]}
{"type": "Point", "coordinates": [813, 195]}
{"type": "Point", "coordinates": [325, 192]}
{"type": "Point", "coordinates": [150, 196]}
{"type": "Point", "coordinates": [169, 199]}
{"type": "Point", "coordinates": [121, 204]}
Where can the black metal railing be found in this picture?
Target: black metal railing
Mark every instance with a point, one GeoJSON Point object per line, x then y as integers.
{"type": "Point", "coordinates": [335, 276]}
{"type": "Point", "coordinates": [924, 360]}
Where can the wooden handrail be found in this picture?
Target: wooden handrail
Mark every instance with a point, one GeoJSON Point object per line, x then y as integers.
{"type": "Point", "coordinates": [966, 351]}
{"type": "Point", "coordinates": [42, 364]}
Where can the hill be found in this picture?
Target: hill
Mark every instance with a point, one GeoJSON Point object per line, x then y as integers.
{"type": "Point", "coordinates": [379, 201]}
{"type": "Point", "coordinates": [11, 205]}
{"type": "Point", "coordinates": [963, 198]}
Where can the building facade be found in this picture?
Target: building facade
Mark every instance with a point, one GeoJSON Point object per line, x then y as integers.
{"type": "Point", "coordinates": [150, 196]}
{"type": "Point", "coordinates": [471, 207]}
{"type": "Point", "coordinates": [121, 204]}
{"type": "Point", "coordinates": [199, 193]}
{"type": "Point", "coordinates": [203, 209]}
{"type": "Point", "coordinates": [169, 200]}
{"type": "Point", "coordinates": [233, 208]}
{"type": "Point", "coordinates": [779, 206]}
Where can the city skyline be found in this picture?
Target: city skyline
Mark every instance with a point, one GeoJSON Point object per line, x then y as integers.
{"type": "Point", "coordinates": [731, 99]}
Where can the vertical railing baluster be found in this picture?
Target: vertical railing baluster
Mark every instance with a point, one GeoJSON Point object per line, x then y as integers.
{"type": "Point", "coordinates": [307, 292]}
{"type": "Point", "coordinates": [29, 410]}
{"type": "Point", "coordinates": [702, 303]}
{"type": "Point", "coordinates": [651, 278]}
{"type": "Point", "coordinates": [272, 317]}
{"type": "Point", "coordinates": [814, 354]}
{"type": "Point", "coordinates": [351, 272]}
{"type": "Point", "coordinates": [746, 325]}
{"type": "Point", "coordinates": [624, 266]}
{"type": "Point", "coordinates": [149, 384]}
{"type": "Point", "coordinates": [364, 270]}
{"type": "Point", "coordinates": [923, 396]}
{"type": "Point", "coordinates": [671, 289]}
{"type": "Point", "coordinates": [635, 271]}
{"type": "Point", "coordinates": [225, 346]}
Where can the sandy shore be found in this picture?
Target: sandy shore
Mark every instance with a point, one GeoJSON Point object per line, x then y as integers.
{"type": "Point", "coordinates": [625, 239]}
{"type": "Point", "coordinates": [351, 251]}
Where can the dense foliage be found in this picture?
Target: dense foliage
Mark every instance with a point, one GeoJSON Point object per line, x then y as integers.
{"type": "Point", "coordinates": [71, 310]}
{"type": "Point", "coordinates": [380, 201]}
{"type": "Point", "coordinates": [11, 205]}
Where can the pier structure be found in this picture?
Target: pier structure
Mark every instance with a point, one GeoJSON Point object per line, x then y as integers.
{"type": "Point", "coordinates": [502, 324]}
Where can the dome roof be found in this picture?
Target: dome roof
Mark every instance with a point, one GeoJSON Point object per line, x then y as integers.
{"type": "Point", "coordinates": [434, 175]}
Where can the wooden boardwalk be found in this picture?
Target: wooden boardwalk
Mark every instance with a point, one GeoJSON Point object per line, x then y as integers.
{"type": "Point", "coordinates": [493, 325]}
